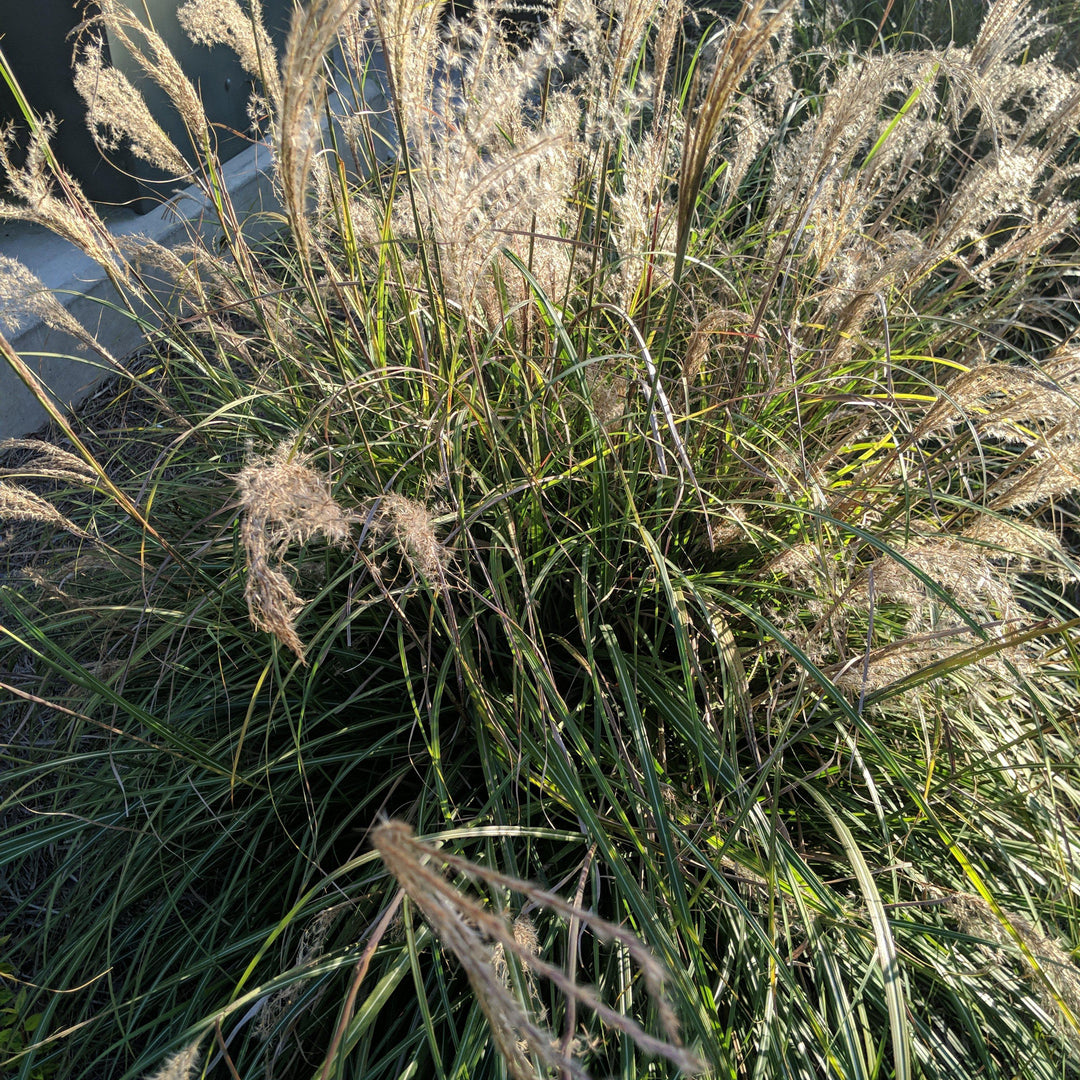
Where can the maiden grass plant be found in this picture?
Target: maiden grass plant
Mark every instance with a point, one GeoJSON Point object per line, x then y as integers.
{"type": "Point", "coordinates": [644, 465]}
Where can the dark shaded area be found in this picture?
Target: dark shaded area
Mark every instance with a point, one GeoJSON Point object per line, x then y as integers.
{"type": "Point", "coordinates": [37, 42]}
{"type": "Point", "coordinates": [40, 42]}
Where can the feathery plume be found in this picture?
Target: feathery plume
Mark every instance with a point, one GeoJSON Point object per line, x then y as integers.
{"type": "Point", "coordinates": [744, 40]}
{"type": "Point", "coordinates": [19, 504]}
{"type": "Point", "coordinates": [159, 64]}
{"type": "Point", "coordinates": [282, 501]}
{"type": "Point", "coordinates": [181, 1065]}
{"type": "Point", "coordinates": [49, 462]}
{"type": "Point", "coordinates": [22, 292]}
{"type": "Point", "coordinates": [1054, 474]}
{"type": "Point", "coordinates": [1047, 963]}
{"type": "Point", "coordinates": [115, 109]}
{"type": "Point", "coordinates": [224, 22]}
{"type": "Point", "coordinates": [963, 570]}
{"type": "Point", "coordinates": [411, 526]}
{"type": "Point", "coordinates": [471, 932]}
{"type": "Point", "coordinates": [1025, 546]}
{"type": "Point", "coordinates": [72, 217]}
{"type": "Point", "coordinates": [313, 30]}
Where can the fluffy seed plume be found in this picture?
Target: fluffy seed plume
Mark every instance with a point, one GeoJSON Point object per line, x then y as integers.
{"type": "Point", "coordinates": [527, 938]}
{"type": "Point", "coordinates": [21, 292]}
{"type": "Point", "coordinates": [963, 570]}
{"type": "Point", "coordinates": [19, 504]}
{"type": "Point", "coordinates": [33, 183]}
{"type": "Point", "coordinates": [1055, 474]}
{"type": "Point", "coordinates": [745, 39]}
{"type": "Point", "coordinates": [313, 32]}
{"type": "Point", "coordinates": [283, 501]}
{"type": "Point", "coordinates": [409, 524]}
{"type": "Point", "coordinates": [1048, 965]}
{"type": "Point", "coordinates": [159, 64]}
{"type": "Point", "coordinates": [224, 22]}
{"type": "Point", "coordinates": [181, 1065]}
{"type": "Point", "coordinates": [1025, 547]}
{"type": "Point", "coordinates": [473, 933]}
{"type": "Point", "coordinates": [49, 462]}
{"type": "Point", "coordinates": [114, 109]}
{"type": "Point", "coordinates": [309, 951]}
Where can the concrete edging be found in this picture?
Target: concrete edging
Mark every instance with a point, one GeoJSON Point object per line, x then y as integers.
{"type": "Point", "coordinates": [68, 368]}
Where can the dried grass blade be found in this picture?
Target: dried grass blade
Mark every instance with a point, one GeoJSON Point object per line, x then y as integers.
{"type": "Point", "coordinates": [34, 385]}
{"type": "Point", "coordinates": [466, 927]}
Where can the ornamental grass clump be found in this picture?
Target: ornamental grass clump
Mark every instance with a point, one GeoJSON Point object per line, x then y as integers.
{"type": "Point", "coordinates": [617, 535]}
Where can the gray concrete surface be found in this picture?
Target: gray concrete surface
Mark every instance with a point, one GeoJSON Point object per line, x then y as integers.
{"type": "Point", "coordinates": [65, 366]}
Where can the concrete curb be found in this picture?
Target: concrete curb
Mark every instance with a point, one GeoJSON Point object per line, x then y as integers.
{"type": "Point", "coordinates": [67, 367]}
